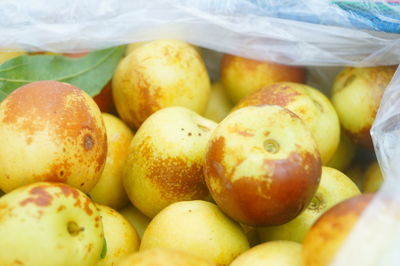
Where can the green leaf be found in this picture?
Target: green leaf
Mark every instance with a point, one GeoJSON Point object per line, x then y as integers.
{"type": "Point", "coordinates": [89, 73]}
{"type": "Point", "coordinates": [104, 250]}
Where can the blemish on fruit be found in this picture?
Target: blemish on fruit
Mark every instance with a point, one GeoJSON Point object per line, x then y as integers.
{"type": "Point", "coordinates": [204, 128]}
{"type": "Point", "coordinates": [67, 191]}
{"type": "Point", "coordinates": [149, 99]}
{"type": "Point", "coordinates": [42, 198]}
{"type": "Point", "coordinates": [277, 94]}
{"type": "Point", "coordinates": [88, 142]}
{"type": "Point", "coordinates": [179, 176]}
{"type": "Point", "coordinates": [58, 172]}
{"type": "Point", "coordinates": [235, 128]}
{"type": "Point", "coordinates": [349, 80]}
{"type": "Point", "coordinates": [189, 134]}
{"type": "Point", "coordinates": [89, 248]}
{"type": "Point", "coordinates": [60, 208]}
{"type": "Point", "coordinates": [101, 156]}
{"type": "Point", "coordinates": [319, 106]}
{"type": "Point", "coordinates": [215, 155]}
{"type": "Point", "coordinates": [87, 208]}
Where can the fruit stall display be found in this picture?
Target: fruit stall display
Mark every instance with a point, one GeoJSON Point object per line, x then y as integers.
{"type": "Point", "coordinates": [169, 152]}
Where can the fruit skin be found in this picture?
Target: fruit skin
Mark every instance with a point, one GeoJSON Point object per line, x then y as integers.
{"type": "Point", "coordinates": [310, 105]}
{"type": "Point", "coordinates": [121, 237]}
{"type": "Point", "coordinates": [164, 257]}
{"type": "Point", "coordinates": [7, 54]}
{"type": "Point", "coordinates": [276, 253]}
{"type": "Point", "coordinates": [373, 178]}
{"type": "Point", "coordinates": [51, 131]}
{"type": "Point", "coordinates": [242, 76]}
{"type": "Point", "coordinates": [344, 154]}
{"type": "Point", "coordinates": [109, 190]}
{"type": "Point", "coordinates": [133, 46]}
{"type": "Point", "coordinates": [356, 96]}
{"type": "Point", "coordinates": [50, 217]}
{"type": "Point", "coordinates": [165, 161]}
{"type": "Point", "coordinates": [262, 166]}
{"type": "Point", "coordinates": [329, 232]}
{"type": "Point", "coordinates": [251, 234]}
{"type": "Point", "coordinates": [159, 74]}
{"type": "Point", "coordinates": [105, 99]}
{"type": "Point", "coordinates": [333, 188]}
{"type": "Point", "coordinates": [137, 219]}
{"type": "Point", "coordinates": [219, 105]}
{"type": "Point", "coordinates": [198, 228]}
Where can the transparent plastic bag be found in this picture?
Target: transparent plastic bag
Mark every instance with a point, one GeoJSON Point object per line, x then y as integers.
{"type": "Point", "coordinates": [318, 33]}
{"type": "Point", "coordinates": [263, 29]}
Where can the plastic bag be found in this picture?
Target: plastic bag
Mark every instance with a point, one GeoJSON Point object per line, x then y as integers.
{"type": "Point", "coordinates": [263, 29]}
{"type": "Point", "coordinates": [310, 32]}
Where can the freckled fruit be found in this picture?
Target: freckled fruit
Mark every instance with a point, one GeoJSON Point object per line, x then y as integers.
{"type": "Point", "coordinates": [159, 74]}
{"type": "Point", "coordinates": [333, 188]}
{"type": "Point", "coordinates": [310, 105]}
{"type": "Point", "coordinates": [356, 96]}
{"type": "Point", "coordinates": [242, 76]}
{"type": "Point", "coordinates": [164, 257]}
{"type": "Point", "coordinates": [198, 228]}
{"type": "Point", "coordinates": [327, 235]}
{"type": "Point", "coordinates": [51, 131]}
{"type": "Point", "coordinates": [262, 166]}
{"type": "Point", "coordinates": [49, 218]}
{"type": "Point", "coordinates": [165, 161]}
{"type": "Point", "coordinates": [119, 137]}
{"type": "Point", "coordinates": [137, 219]}
{"type": "Point", "coordinates": [274, 253]}
{"type": "Point", "coordinates": [121, 237]}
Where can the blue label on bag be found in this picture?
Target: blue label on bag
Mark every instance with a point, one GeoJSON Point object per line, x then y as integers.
{"type": "Point", "coordinates": [375, 15]}
{"type": "Point", "coordinates": [361, 14]}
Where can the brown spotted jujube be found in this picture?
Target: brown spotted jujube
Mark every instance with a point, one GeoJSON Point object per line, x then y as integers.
{"type": "Point", "coordinates": [49, 218]}
{"type": "Point", "coordinates": [51, 131]}
{"type": "Point", "coordinates": [262, 166]}
{"type": "Point", "coordinates": [165, 161]}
